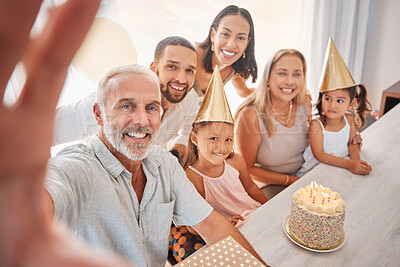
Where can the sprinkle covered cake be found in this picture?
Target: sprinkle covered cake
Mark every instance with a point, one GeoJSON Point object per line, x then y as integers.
{"type": "Point", "coordinates": [317, 217]}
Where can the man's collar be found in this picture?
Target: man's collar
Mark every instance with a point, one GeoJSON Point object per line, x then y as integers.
{"type": "Point", "coordinates": [152, 161]}
{"type": "Point", "coordinates": [107, 159]}
{"type": "Point", "coordinates": [115, 167]}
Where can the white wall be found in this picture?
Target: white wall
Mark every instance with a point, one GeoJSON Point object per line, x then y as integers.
{"type": "Point", "coordinates": [382, 57]}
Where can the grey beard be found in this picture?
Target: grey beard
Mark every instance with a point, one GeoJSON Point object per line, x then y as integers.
{"type": "Point", "coordinates": [135, 151]}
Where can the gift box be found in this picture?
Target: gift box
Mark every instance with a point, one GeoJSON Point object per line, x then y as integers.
{"type": "Point", "coordinates": [226, 252]}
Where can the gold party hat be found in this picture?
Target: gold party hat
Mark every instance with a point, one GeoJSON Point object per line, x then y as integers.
{"type": "Point", "coordinates": [215, 106]}
{"type": "Point", "coordinates": [335, 74]}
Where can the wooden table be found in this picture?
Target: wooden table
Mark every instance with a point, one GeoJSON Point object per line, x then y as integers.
{"type": "Point", "coordinates": [372, 220]}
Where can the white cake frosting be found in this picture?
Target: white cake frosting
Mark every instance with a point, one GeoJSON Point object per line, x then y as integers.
{"type": "Point", "coordinates": [317, 217]}
{"type": "Point", "coordinates": [319, 199]}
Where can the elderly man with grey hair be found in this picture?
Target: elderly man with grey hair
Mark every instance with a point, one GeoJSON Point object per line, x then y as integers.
{"type": "Point", "coordinates": [119, 191]}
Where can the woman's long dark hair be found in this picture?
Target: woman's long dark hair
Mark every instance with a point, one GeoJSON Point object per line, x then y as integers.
{"type": "Point", "coordinates": [245, 67]}
{"type": "Point", "coordinates": [363, 105]}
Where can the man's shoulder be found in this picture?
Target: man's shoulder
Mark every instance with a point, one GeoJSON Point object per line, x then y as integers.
{"type": "Point", "coordinates": [159, 155]}
{"type": "Point", "coordinates": [161, 161]}
{"type": "Point", "coordinates": [76, 154]}
{"type": "Point", "coordinates": [191, 98]}
{"type": "Point", "coordinates": [79, 148]}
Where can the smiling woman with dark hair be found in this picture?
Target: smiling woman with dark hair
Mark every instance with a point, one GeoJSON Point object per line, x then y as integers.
{"type": "Point", "coordinates": [230, 45]}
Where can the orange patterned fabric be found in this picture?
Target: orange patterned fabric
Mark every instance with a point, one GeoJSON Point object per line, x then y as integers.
{"type": "Point", "coordinates": [182, 243]}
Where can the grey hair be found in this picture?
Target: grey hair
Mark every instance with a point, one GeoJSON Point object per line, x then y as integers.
{"type": "Point", "coordinates": [111, 80]}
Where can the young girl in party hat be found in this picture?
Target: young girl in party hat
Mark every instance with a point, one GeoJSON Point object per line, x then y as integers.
{"type": "Point", "coordinates": [218, 174]}
{"type": "Point", "coordinates": [331, 133]}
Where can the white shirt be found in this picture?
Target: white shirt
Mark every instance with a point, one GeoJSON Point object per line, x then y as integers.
{"type": "Point", "coordinates": [76, 121]}
{"type": "Point", "coordinates": [335, 143]}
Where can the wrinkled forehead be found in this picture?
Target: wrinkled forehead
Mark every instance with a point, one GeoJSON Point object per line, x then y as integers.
{"type": "Point", "coordinates": [132, 85]}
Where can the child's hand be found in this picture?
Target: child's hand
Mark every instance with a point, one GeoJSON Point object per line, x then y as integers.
{"type": "Point", "coordinates": [357, 140]}
{"type": "Point", "coordinates": [236, 218]}
{"type": "Point", "coordinates": [359, 167]}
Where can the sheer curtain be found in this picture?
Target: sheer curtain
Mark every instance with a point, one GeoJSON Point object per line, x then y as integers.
{"type": "Point", "coordinates": [346, 21]}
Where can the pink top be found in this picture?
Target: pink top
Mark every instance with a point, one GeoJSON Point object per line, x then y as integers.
{"type": "Point", "coordinates": [227, 195]}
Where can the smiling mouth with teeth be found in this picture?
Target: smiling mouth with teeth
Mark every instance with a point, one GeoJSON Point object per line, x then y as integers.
{"type": "Point", "coordinates": [287, 91]}
{"type": "Point", "coordinates": [230, 54]}
{"type": "Point", "coordinates": [178, 88]}
{"type": "Point", "coordinates": [137, 135]}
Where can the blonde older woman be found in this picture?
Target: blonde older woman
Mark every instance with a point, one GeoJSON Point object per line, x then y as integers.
{"type": "Point", "coordinates": [272, 123]}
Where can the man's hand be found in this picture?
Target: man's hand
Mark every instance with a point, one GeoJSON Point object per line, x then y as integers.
{"type": "Point", "coordinates": [28, 236]}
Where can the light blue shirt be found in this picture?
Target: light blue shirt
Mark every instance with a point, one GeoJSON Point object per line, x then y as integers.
{"type": "Point", "coordinates": [92, 193]}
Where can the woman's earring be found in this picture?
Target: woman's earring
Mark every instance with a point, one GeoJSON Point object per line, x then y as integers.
{"type": "Point", "coordinates": [244, 54]}
{"type": "Point", "coordinates": [212, 47]}
{"type": "Point", "coordinates": [269, 89]}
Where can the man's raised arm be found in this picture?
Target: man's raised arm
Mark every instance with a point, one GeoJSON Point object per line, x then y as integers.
{"type": "Point", "coordinates": [28, 235]}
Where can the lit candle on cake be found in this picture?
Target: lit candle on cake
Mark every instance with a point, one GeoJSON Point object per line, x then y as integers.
{"type": "Point", "coordinates": [323, 188]}
{"type": "Point", "coordinates": [314, 193]}
{"type": "Point", "coordinates": [323, 198]}
{"type": "Point", "coordinates": [311, 187]}
{"type": "Point", "coordinates": [323, 193]}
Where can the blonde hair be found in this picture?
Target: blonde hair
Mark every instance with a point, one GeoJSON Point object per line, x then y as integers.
{"type": "Point", "coordinates": [192, 154]}
{"type": "Point", "coordinates": [260, 99]}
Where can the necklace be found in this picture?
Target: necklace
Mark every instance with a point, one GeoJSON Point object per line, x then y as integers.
{"type": "Point", "coordinates": [284, 118]}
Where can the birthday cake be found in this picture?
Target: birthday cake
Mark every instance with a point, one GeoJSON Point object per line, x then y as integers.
{"type": "Point", "coordinates": [317, 217]}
